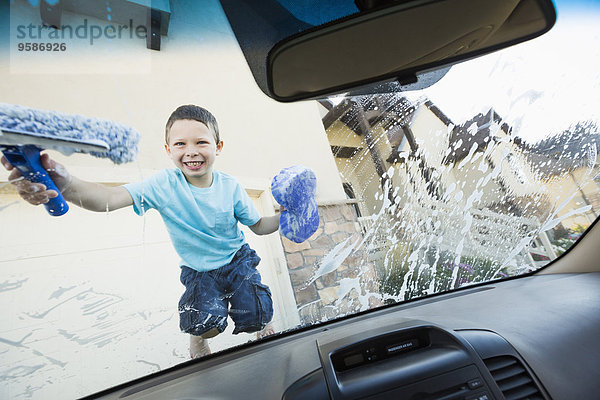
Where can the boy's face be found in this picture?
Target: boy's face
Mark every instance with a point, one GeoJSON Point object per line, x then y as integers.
{"type": "Point", "coordinates": [191, 146]}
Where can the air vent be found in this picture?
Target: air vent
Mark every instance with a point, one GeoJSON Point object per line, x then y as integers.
{"type": "Point", "coordinates": [513, 379]}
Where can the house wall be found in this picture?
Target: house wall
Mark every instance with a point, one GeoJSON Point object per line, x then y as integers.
{"type": "Point", "coordinates": [431, 135]}
{"type": "Point", "coordinates": [338, 134]}
{"type": "Point", "coordinates": [358, 170]}
{"type": "Point", "coordinates": [574, 191]}
{"type": "Point", "coordinates": [490, 176]}
{"type": "Point", "coordinates": [365, 181]}
{"type": "Point", "coordinates": [515, 172]}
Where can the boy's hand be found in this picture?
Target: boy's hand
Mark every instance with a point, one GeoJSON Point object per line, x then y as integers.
{"type": "Point", "coordinates": [36, 193]}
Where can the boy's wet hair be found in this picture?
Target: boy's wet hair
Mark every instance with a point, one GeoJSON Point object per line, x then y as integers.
{"type": "Point", "coordinates": [196, 113]}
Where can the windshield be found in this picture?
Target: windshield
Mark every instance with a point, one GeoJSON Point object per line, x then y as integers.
{"type": "Point", "coordinates": [490, 173]}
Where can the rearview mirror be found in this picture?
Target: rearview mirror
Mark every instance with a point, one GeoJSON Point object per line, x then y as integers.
{"type": "Point", "coordinates": [395, 40]}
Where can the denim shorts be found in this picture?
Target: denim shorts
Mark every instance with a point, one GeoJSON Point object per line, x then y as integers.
{"type": "Point", "coordinates": [233, 290]}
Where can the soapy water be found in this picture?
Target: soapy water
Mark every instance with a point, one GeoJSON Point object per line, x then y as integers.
{"type": "Point", "coordinates": [99, 323]}
{"type": "Point", "coordinates": [333, 259]}
{"type": "Point", "coordinates": [437, 220]}
{"type": "Point", "coordinates": [12, 285]}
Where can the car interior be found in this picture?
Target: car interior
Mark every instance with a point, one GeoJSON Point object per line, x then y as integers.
{"type": "Point", "coordinates": [514, 339]}
{"type": "Point", "coordinates": [522, 324]}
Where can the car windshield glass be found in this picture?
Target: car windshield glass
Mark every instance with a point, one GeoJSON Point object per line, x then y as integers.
{"type": "Point", "coordinates": [489, 174]}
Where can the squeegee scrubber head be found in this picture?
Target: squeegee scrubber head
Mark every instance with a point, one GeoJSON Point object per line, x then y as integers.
{"type": "Point", "coordinates": [123, 141]}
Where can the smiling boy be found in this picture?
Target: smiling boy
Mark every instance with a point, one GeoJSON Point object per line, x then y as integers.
{"type": "Point", "coordinates": [201, 209]}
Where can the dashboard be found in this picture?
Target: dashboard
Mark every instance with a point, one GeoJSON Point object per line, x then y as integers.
{"type": "Point", "coordinates": [535, 337]}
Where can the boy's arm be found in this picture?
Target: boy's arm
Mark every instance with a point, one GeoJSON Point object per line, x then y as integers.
{"type": "Point", "coordinates": [266, 225]}
{"type": "Point", "coordinates": [97, 197]}
{"type": "Point", "coordinates": [88, 195]}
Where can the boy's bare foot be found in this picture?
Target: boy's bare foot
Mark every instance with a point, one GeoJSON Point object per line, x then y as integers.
{"type": "Point", "coordinates": [267, 330]}
{"type": "Point", "coordinates": [198, 347]}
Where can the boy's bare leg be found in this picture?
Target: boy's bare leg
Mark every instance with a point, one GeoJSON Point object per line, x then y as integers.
{"type": "Point", "coordinates": [198, 347]}
{"type": "Point", "coordinates": [266, 331]}
{"type": "Point", "coordinates": [199, 344]}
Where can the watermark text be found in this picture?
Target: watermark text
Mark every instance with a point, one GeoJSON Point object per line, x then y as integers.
{"type": "Point", "coordinates": [85, 31]}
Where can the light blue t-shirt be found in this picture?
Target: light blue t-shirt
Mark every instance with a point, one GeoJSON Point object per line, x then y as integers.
{"type": "Point", "coordinates": [202, 222]}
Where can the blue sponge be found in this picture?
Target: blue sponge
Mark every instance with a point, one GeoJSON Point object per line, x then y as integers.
{"type": "Point", "coordinates": [294, 188]}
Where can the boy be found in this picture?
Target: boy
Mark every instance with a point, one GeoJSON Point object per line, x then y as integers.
{"type": "Point", "coordinates": [201, 209]}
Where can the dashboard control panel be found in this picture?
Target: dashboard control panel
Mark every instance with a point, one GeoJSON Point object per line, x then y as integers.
{"type": "Point", "coordinates": [418, 362]}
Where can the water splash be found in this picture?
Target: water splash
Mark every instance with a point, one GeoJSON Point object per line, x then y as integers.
{"type": "Point", "coordinates": [154, 365]}
{"type": "Point", "coordinates": [461, 203]}
{"type": "Point", "coordinates": [91, 303]}
{"type": "Point", "coordinates": [12, 285]}
{"type": "Point", "coordinates": [20, 371]}
{"type": "Point", "coordinates": [59, 292]}
{"type": "Point", "coordinates": [21, 344]}
{"type": "Point", "coordinates": [334, 259]}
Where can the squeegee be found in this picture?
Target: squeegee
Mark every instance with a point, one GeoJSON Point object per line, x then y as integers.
{"type": "Point", "coordinates": [25, 133]}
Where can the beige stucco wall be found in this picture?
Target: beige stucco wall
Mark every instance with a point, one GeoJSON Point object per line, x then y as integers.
{"type": "Point", "coordinates": [574, 191]}
{"type": "Point", "coordinates": [340, 135]}
{"type": "Point", "coordinates": [431, 135]}
{"type": "Point", "coordinates": [358, 170]}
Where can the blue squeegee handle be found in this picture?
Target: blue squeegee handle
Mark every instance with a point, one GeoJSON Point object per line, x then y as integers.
{"type": "Point", "coordinates": [26, 159]}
